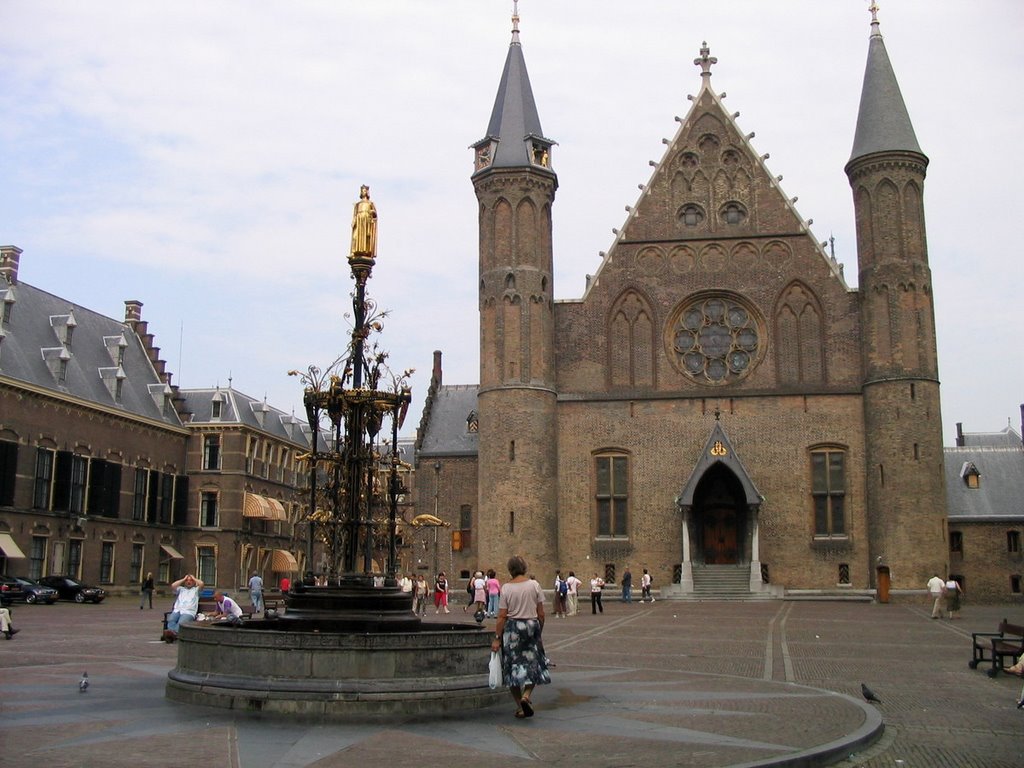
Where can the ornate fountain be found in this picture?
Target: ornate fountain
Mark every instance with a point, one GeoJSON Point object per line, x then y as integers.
{"type": "Point", "coordinates": [352, 647]}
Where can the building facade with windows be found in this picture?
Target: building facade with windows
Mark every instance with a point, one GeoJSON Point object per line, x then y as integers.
{"type": "Point", "coordinates": [719, 399]}
{"type": "Point", "coordinates": [108, 472]}
{"type": "Point", "coordinates": [985, 487]}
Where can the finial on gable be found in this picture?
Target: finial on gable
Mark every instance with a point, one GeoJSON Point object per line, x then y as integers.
{"type": "Point", "coordinates": [705, 61]}
{"type": "Point", "coordinates": [873, 8]}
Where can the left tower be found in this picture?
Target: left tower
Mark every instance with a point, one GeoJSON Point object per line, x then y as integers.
{"type": "Point", "coordinates": [515, 188]}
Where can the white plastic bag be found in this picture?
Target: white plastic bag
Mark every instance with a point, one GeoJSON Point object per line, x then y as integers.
{"type": "Point", "coordinates": [494, 670]}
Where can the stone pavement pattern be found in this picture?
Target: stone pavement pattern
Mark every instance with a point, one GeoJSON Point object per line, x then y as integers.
{"type": "Point", "coordinates": [669, 683]}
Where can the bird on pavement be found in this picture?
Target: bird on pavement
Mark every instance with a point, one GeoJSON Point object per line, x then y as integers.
{"type": "Point", "coordinates": [83, 684]}
{"type": "Point", "coordinates": [869, 695]}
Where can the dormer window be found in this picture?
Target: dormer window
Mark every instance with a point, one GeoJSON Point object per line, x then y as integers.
{"type": "Point", "coordinates": [970, 475]}
{"type": "Point", "coordinates": [215, 412]}
{"type": "Point", "coordinates": [62, 370]}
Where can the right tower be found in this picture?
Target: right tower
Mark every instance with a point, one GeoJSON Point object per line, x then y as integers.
{"type": "Point", "coordinates": [906, 498]}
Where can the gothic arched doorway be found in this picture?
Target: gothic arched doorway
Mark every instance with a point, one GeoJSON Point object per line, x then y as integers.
{"type": "Point", "coordinates": [720, 512]}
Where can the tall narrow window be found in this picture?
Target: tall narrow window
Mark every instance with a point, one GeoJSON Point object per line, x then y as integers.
{"type": "Point", "coordinates": [107, 562]}
{"type": "Point", "coordinates": [138, 553]}
{"type": "Point", "coordinates": [956, 543]}
{"type": "Point", "coordinates": [75, 558]}
{"type": "Point", "coordinates": [207, 559]}
{"type": "Point", "coordinates": [8, 471]}
{"type": "Point", "coordinates": [43, 491]}
{"type": "Point", "coordinates": [612, 496]}
{"type": "Point", "coordinates": [211, 452]}
{"type": "Point", "coordinates": [1013, 542]}
{"type": "Point", "coordinates": [828, 490]}
{"type": "Point", "coordinates": [208, 509]}
{"type": "Point", "coordinates": [79, 477]}
{"type": "Point", "coordinates": [139, 497]}
{"type": "Point", "coordinates": [37, 557]}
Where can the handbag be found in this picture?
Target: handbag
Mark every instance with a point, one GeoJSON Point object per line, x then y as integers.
{"type": "Point", "coordinates": [494, 670]}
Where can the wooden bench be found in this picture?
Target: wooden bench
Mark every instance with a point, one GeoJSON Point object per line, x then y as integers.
{"type": "Point", "coordinates": [993, 647]}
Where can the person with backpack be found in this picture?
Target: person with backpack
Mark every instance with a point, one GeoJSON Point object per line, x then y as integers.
{"type": "Point", "coordinates": [645, 587]}
{"type": "Point", "coordinates": [561, 593]}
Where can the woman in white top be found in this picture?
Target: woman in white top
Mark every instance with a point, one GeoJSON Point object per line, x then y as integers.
{"type": "Point", "coordinates": [518, 636]}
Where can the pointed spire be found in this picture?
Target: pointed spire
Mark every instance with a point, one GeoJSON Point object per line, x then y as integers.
{"type": "Point", "coordinates": [883, 123]}
{"type": "Point", "coordinates": [514, 137]}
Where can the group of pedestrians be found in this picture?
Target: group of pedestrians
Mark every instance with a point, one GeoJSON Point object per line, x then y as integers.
{"type": "Point", "coordinates": [946, 594]}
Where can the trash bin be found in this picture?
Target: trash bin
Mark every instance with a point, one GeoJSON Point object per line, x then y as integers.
{"type": "Point", "coordinates": [882, 590]}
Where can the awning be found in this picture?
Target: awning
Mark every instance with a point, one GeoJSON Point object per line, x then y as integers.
{"type": "Point", "coordinates": [257, 506]}
{"type": "Point", "coordinates": [8, 547]}
{"type": "Point", "coordinates": [283, 562]}
{"type": "Point", "coordinates": [172, 552]}
{"type": "Point", "coordinates": [278, 512]}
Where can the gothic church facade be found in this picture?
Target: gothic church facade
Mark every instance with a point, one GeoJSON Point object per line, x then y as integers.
{"type": "Point", "coordinates": [719, 403]}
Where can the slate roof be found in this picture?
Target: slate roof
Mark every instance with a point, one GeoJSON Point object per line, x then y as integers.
{"type": "Point", "coordinates": [883, 123]}
{"type": "Point", "coordinates": [514, 118]}
{"type": "Point", "coordinates": [446, 432]}
{"type": "Point", "coordinates": [239, 408]}
{"type": "Point", "coordinates": [1000, 495]}
{"type": "Point", "coordinates": [33, 345]}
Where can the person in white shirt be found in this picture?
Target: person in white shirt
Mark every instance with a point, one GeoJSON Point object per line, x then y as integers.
{"type": "Point", "coordinates": [645, 588]}
{"type": "Point", "coordinates": [596, 585]}
{"type": "Point", "coordinates": [186, 605]}
{"type": "Point", "coordinates": [573, 602]}
{"type": "Point", "coordinates": [227, 609]}
{"type": "Point", "coordinates": [936, 586]}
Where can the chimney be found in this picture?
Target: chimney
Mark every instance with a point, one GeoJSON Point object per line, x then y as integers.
{"type": "Point", "coordinates": [132, 312]}
{"type": "Point", "coordinates": [10, 256]}
{"type": "Point", "coordinates": [960, 434]}
{"type": "Point", "coordinates": [435, 376]}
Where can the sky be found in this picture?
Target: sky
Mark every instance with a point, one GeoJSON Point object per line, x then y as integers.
{"type": "Point", "coordinates": [203, 157]}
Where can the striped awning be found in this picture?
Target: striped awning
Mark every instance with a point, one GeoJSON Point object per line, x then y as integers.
{"type": "Point", "coordinates": [172, 552]}
{"type": "Point", "coordinates": [277, 508]}
{"type": "Point", "coordinates": [283, 562]}
{"type": "Point", "coordinates": [257, 506]}
{"type": "Point", "coordinates": [9, 548]}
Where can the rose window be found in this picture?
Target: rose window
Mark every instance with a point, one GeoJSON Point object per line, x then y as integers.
{"type": "Point", "coordinates": [715, 340]}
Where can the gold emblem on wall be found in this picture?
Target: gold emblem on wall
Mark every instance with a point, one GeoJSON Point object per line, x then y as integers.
{"type": "Point", "coordinates": [718, 449]}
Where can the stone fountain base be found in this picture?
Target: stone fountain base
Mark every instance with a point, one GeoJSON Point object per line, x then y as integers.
{"type": "Point", "coordinates": [326, 667]}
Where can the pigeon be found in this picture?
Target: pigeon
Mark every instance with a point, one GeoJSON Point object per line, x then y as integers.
{"type": "Point", "coordinates": [83, 684]}
{"type": "Point", "coordinates": [869, 695]}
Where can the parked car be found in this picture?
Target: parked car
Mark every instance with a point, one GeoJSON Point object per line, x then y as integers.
{"type": "Point", "coordinates": [10, 590]}
{"type": "Point", "coordinates": [72, 589]}
{"type": "Point", "coordinates": [34, 592]}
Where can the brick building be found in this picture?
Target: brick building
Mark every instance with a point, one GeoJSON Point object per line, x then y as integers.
{"type": "Point", "coordinates": [108, 471]}
{"type": "Point", "coordinates": [719, 402]}
{"type": "Point", "coordinates": [985, 487]}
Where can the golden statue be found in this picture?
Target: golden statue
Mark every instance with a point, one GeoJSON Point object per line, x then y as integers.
{"type": "Point", "coordinates": [364, 225]}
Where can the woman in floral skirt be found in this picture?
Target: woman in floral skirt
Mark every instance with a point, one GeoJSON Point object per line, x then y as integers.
{"type": "Point", "coordinates": [518, 636]}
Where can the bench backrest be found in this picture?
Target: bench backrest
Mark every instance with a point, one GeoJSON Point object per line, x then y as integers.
{"type": "Point", "coordinates": [1006, 628]}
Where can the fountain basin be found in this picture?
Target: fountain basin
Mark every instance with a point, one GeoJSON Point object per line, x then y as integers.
{"type": "Point", "coordinates": [309, 668]}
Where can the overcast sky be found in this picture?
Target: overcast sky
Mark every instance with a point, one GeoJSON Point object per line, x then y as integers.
{"type": "Point", "coordinates": [203, 157]}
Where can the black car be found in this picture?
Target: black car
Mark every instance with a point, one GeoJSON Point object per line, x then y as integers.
{"type": "Point", "coordinates": [10, 590]}
{"type": "Point", "coordinates": [33, 592]}
{"type": "Point", "coordinates": [70, 588]}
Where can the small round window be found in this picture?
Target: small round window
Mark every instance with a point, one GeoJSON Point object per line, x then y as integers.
{"type": "Point", "coordinates": [733, 213]}
{"type": "Point", "coordinates": [691, 215]}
